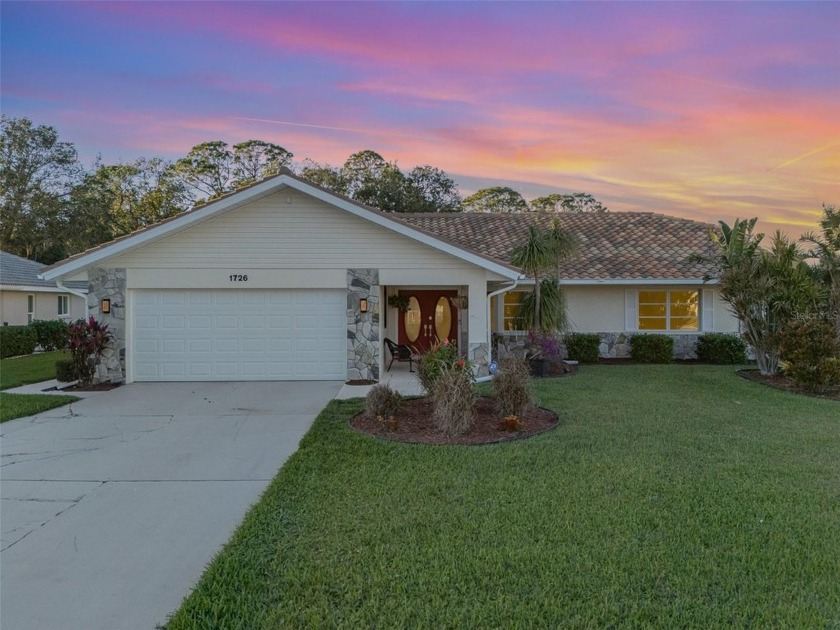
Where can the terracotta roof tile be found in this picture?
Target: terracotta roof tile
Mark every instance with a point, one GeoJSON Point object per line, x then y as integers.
{"type": "Point", "coordinates": [613, 245]}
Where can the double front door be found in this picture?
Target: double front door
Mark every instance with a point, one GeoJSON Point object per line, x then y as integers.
{"type": "Point", "coordinates": [430, 317]}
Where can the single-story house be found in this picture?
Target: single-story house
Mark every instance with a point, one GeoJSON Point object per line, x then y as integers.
{"type": "Point", "coordinates": [284, 280]}
{"type": "Point", "coordinates": [25, 297]}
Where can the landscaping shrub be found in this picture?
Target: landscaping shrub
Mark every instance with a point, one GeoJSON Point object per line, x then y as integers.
{"type": "Point", "coordinates": [511, 424]}
{"type": "Point", "coordinates": [721, 348]}
{"type": "Point", "coordinates": [453, 399]}
{"type": "Point", "coordinates": [88, 339]}
{"type": "Point", "coordinates": [382, 402]}
{"type": "Point", "coordinates": [583, 347]}
{"type": "Point", "coordinates": [811, 354]}
{"type": "Point", "coordinates": [16, 341]}
{"type": "Point", "coordinates": [652, 348]}
{"type": "Point", "coordinates": [511, 387]}
{"type": "Point", "coordinates": [64, 370]}
{"type": "Point", "coordinates": [440, 357]}
{"type": "Point", "coordinates": [51, 334]}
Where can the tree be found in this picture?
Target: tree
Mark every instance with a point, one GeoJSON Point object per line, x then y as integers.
{"type": "Point", "coordinates": [498, 199]}
{"type": "Point", "coordinates": [211, 169]}
{"type": "Point", "coordinates": [323, 175]}
{"type": "Point", "coordinates": [114, 200]}
{"type": "Point", "coordinates": [575, 202]}
{"type": "Point", "coordinates": [535, 257]}
{"type": "Point", "coordinates": [825, 248]}
{"type": "Point", "coordinates": [765, 289]}
{"type": "Point", "coordinates": [37, 172]}
{"type": "Point", "coordinates": [437, 192]}
{"type": "Point", "coordinates": [254, 160]}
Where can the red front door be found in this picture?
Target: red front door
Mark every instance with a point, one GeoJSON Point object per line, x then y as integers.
{"type": "Point", "coordinates": [430, 317]}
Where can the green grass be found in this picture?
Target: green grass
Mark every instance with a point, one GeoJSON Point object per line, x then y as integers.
{"type": "Point", "coordinates": [19, 405]}
{"type": "Point", "coordinates": [29, 369]}
{"type": "Point", "coordinates": [670, 496]}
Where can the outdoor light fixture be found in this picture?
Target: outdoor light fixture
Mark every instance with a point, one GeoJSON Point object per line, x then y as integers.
{"type": "Point", "coordinates": [105, 306]}
{"type": "Point", "coordinates": [363, 306]}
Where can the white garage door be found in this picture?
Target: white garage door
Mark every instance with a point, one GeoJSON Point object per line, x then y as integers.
{"type": "Point", "coordinates": [239, 335]}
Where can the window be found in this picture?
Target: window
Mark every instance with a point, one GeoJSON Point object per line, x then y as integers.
{"type": "Point", "coordinates": [63, 305]}
{"type": "Point", "coordinates": [669, 310]}
{"type": "Point", "coordinates": [30, 308]}
{"type": "Point", "coordinates": [510, 314]}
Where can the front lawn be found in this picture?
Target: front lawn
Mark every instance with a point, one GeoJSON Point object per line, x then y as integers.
{"type": "Point", "coordinates": [19, 405]}
{"type": "Point", "coordinates": [33, 368]}
{"type": "Point", "coordinates": [669, 496]}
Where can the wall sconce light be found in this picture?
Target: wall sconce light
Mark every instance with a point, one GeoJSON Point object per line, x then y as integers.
{"type": "Point", "coordinates": [105, 306]}
{"type": "Point", "coordinates": [363, 306]}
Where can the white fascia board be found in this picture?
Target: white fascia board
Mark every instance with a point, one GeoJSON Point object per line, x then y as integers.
{"type": "Point", "coordinates": [183, 221]}
{"type": "Point", "coordinates": [23, 288]}
{"type": "Point", "coordinates": [404, 230]}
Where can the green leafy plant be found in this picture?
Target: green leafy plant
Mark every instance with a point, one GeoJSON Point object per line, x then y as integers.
{"type": "Point", "coordinates": [721, 348]}
{"type": "Point", "coordinates": [64, 372]}
{"type": "Point", "coordinates": [51, 334]}
{"type": "Point", "coordinates": [583, 347]}
{"type": "Point", "coordinates": [399, 302]}
{"type": "Point", "coordinates": [511, 387]}
{"type": "Point", "coordinates": [811, 354]}
{"type": "Point", "coordinates": [88, 339]}
{"type": "Point", "coordinates": [652, 348]}
{"type": "Point", "coordinates": [17, 341]}
{"type": "Point", "coordinates": [382, 402]}
{"type": "Point", "coordinates": [441, 357]}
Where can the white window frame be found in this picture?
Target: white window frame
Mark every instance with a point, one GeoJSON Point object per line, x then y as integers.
{"type": "Point", "coordinates": [63, 300]}
{"type": "Point", "coordinates": [30, 308]}
{"type": "Point", "coordinates": [668, 328]}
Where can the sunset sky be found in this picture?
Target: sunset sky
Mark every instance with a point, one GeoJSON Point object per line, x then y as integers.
{"type": "Point", "coordinates": [700, 110]}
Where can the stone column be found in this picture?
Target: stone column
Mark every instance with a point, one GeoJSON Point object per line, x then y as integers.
{"type": "Point", "coordinates": [363, 328]}
{"type": "Point", "coordinates": [109, 283]}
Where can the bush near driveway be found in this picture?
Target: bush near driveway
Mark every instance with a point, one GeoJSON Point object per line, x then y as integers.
{"type": "Point", "coordinates": [670, 496]}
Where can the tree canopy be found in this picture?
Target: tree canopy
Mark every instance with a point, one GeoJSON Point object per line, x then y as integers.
{"type": "Point", "coordinates": [496, 199]}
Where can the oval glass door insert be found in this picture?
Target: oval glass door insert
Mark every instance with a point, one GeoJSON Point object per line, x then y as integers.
{"type": "Point", "coordinates": [412, 320]}
{"type": "Point", "coordinates": [443, 318]}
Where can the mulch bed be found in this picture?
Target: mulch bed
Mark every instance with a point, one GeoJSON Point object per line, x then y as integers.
{"type": "Point", "coordinates": [99, 387]}
{"type": "Point", "coordinates": [363, 381]}
{"type": "Point", "coordinates": [415, 424]}
{"type": "Point", "coordinates": [779, 381]}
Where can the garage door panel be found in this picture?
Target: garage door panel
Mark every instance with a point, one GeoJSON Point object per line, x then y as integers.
{"type": "Point", "coordinates": [217, 335]}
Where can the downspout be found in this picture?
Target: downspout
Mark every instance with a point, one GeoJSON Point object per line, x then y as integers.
{"type": "Point", "coordinates": [77, 293]}
{"type": "Point", "coordinates": [489, 377]}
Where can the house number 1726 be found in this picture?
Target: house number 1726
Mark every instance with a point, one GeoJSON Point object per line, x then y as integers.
{"type": "Point", "coordinates": [236, 277]}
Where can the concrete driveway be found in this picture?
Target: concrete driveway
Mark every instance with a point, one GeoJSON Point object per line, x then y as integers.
{"type": "Point", "coordinates": [112, 507]}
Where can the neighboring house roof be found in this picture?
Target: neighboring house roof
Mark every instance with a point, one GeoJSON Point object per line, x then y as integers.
{"type": "Point", "coordinates": [613, 245]}
{"type": "Point", "coordinates": [22, 272]}
{"type": "Point", "coordinates": [267, 186]}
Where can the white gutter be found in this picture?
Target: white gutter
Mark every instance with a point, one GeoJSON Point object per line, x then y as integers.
{"type": "Point", "coordinates": [77, 293]}
{"type": "Point", "coordinates": [489, 377]}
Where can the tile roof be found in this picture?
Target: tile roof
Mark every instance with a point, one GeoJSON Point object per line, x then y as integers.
{"type": "Point", "coordinates": [17, 271]}
{"type": "Point", "coordinates": [613, 245]}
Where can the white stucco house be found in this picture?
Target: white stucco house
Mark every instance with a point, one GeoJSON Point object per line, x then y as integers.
{"type": "Point", "coordinates": [284, 280]}
{"type": "Point", "coordinates": [25, 297]}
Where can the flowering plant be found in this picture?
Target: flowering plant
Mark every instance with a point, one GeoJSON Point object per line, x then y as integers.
{"type": "Point", "coordinates": [87, 340]}
{"type": "Point", "coordinates": [440, 358]}
{"type": "Point", "coordinates": [543, 345]}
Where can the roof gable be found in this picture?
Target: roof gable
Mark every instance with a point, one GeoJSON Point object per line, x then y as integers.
{"type": "Point", "coordinates": [256, 191]}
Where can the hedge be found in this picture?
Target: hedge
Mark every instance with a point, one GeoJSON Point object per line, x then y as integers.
{"type": "Point", "coordinates": [652, 348]}
{"type": "Point", "coordinates": [583, 347]}
{"type": "Point", "coordinates": [17, 340]}
{"type": "Point", "coordinates": [721, 348]}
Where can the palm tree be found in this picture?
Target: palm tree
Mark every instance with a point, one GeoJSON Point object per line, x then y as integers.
{"type": "Point", "coordinates": [535, 256]}
{"type": "Point", "coordinates": [826, 249]}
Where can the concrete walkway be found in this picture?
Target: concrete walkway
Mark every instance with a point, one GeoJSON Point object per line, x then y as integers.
{"type": "Point", "coordinates": [112, 506]}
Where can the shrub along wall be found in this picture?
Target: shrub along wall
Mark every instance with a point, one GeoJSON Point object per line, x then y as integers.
{"type": "Point", "coordinates": [721, 348]}
{"type": "Point", "coordinates": [17, 340]}
{"type": "Point", "coordinates": [652, 348]}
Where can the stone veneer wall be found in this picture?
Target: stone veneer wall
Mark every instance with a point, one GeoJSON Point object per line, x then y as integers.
{"type": "Point", "coordinates": [613, 345]}
{"type": "Point", "coordinates": [363, 328]}
{"type": "Point", "coordinates": [478, 354]}
{"type": "Point", "coordinates": [109, 283]}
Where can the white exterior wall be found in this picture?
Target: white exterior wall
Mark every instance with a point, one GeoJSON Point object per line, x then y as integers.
{"type": "Point", "coordinates": [14, 305]}
{"type": "Point", "coordinates": [602, 308]}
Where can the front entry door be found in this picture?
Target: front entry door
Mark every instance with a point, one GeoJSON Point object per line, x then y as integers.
{"type": "Point", "coordinates": [430, 317]}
